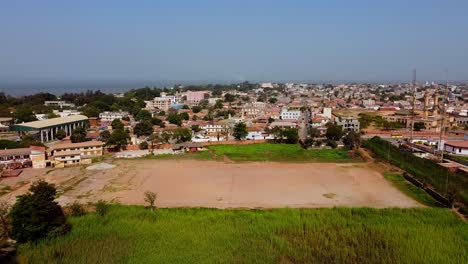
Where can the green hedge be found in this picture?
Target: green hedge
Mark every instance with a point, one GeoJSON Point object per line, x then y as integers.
{"type": "Point", "coordinates": [426, 171]}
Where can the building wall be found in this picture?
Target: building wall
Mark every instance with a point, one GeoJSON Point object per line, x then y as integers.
{"type": "Point", "coordinates": [456, 150]}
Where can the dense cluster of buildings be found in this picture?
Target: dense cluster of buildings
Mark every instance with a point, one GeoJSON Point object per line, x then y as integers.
{"type": "Point", "coordinates": [212, 116]}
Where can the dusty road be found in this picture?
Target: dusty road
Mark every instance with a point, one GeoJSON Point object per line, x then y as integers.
{"type": "Point", "coordinates": [190, 183]}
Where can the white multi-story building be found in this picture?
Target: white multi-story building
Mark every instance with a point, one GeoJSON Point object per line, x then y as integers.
{"type": "Point", "coordinates": [108, 116]}
{"type": "Point", "coordinates": [290, 114]}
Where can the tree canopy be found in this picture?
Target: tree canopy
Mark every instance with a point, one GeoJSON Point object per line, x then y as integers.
{"type": "Point", "coordinates": [240, 131]}
{"type": "Point", "coordinates": [36, 215]}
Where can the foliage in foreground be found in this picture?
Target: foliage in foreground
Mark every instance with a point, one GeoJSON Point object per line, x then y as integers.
{"type": "Point", "coordinates": [279, 152]}
{"type": "Point", "coordinates": [425, 170]}
{"type": "Point", "coordinates": [36, 215]}
{"type": "Point", "coordinates": [133, 234]}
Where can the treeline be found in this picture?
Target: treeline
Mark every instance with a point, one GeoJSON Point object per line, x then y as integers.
{"type": "Point", "coordinates": [453, 185]}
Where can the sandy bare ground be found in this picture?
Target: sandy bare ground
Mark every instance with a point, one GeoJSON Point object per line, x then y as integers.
{"type": "Point", "coordinates": [190, 183]}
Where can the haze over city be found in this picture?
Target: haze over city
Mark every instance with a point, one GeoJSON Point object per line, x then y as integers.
{"type": "Point", "coordinates": [88, 43]}
{"type": "Point", "coordinates": [234, 131]}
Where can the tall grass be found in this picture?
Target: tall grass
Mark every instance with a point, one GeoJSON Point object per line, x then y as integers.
{"type": "Point", "coordinates": [133, 234]}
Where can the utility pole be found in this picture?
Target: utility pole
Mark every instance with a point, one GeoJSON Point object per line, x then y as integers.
{"type": "Point", "coordinates": [413, 84]}
{"type": "Point", "coordinates": [442, 121]}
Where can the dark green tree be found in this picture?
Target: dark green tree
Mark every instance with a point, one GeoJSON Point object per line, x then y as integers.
{"type": "Point", "coordinates": [313, 132]}
{"type": "Point", "coordinates": [35, 215]}
{"type": "Point", "coordinates": [118, 138]}
{"type": "Point", "coordinates": [174, 118]}
{"type": "Point", "coordinates": [334, 132]}
{"type": "Point", "coordinates": [229, 98]}
{"type": "Point", "coordinates": [61, 134]}
{"type": "Point", "coordinates": [352, 140]}
{"type": "Point", "coordinates": [104, 135]}
{"type": "Point", "coordinates": [418, 126]}
{"type": "Point", "coordinates": [143, 115]}
{"type": "Point", "coordinates": [144, 128]}
{"type": "Point", "coordinates": [24, 114]}
{"type": "Point", "coordinates": [117, 124]}
{"type": "Point", "coordinates": [240, 131]}
{"type": "Point", "coordinates": [218, 104]}
{"type": "Point", "coordinates": [78, 135]}
{"type": "Point", "coordinates": [182, 135]}
{"type": "Point", "coordinates": [196, 109]}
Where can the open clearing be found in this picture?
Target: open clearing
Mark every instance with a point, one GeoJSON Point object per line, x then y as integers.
{"type": "Point", "coordinates": [192, 183]}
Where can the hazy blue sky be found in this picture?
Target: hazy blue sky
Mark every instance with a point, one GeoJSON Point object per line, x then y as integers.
{"type": "Point", "coordinates": [233, 40]}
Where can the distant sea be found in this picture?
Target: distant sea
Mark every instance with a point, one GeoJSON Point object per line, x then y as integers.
{"type": "Point", "coordinates": [60, 87]}
{"type": "Point", "coordinates": [19, 88]}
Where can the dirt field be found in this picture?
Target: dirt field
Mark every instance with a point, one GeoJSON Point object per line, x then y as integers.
{"type": "Point", "coordinates": [190, 183]}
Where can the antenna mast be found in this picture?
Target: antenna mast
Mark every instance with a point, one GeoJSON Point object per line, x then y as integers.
{"type": "Point", "coordinates": [413, 84]}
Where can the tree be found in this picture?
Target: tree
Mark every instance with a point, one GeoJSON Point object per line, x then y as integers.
{"type": "Point", "coordinates": [143, 145]}
{"type": "Point", "coordinates": [143, 115]}
{"type": "Point", "coordinates": [157, 122]}
{"type": "Point", "coordinates": [290, 135]}
{"type": "Point", "coordinates": [174, 118]}
{"type": "Point", "coordinates": [4, 210]}
{"type": "Point", "coordinates": [271, 120]}
{"type": "Point", "coordinates": [314, 132]}
{"type": "Point", "coordinates": [24, 114]}
{"type": "Point", "coordinates": [184, 116]}
{"type": "Point", "coordinates": [117, 124]}
{"type": "Point", "coordinates": [35, 215]}
{"type": "Point", "coordinates": [352, 140]}
{"type": "Point", "coordinates": [150, 198]}
{"type": "Point", "coordinates": [196, 109]}
{"type": "Point", "coordinates": [78, 135]}
{"type": "Point", "coordinates": [273, 100]}
{"type": "Point", "coordinates": [219, 104]}
{"type": "Point", "coordinates": [104, 135]}
{"type": "Point", "coordinates": [229, 98]}
{"type": "Point", "coordinates": [418, 126]}
{"type": "Point", "coordinates": [182, 135]}
{"type": "Point", "coordinates": [52, 115]}
{"type": "Point", "coordinates": [240, 131]}
{"type": "Point", "coordinates": [144, 128]}
{"type": "Point", "coordinates": [196, 128]}
{"type": "Point", "coordinates": [334, 132]}
{"type": "Point", "coordinates": [118, 138]}
{"type": "Point", "coordinates": [61, 134]}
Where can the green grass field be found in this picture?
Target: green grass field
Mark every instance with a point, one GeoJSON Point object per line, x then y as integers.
{"type": "Point", "coordinates": [279, 152]}
{"type": "Point", "coordinates": [411, 190]}
{"type": "Point", "coordinates": [133, 234]}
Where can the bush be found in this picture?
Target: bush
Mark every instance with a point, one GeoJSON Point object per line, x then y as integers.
{"type": "Point", "coordinates": [76, 209]}
{"type": "Point", "coordinates": [332, 143]}
{"type": "Point", "coordinates": [36, 215]}
{"type": "Point", "coordinates": [102, 207]}
{"type": "Point", "coordinates": [143, 145]}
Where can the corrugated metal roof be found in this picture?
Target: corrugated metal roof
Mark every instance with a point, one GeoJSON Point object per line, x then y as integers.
{"type": "Point", "coordinates": [78, 145]}
{"type": "Point", "coordinates": [41, 124]}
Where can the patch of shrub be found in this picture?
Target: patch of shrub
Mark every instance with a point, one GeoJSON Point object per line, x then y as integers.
{"type": "Point", "coordinates": [102, 207]}
{"type": "Point", "coordinates": [76, 209]}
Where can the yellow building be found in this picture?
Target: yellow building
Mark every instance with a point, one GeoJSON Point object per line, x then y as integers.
{"type": "Point", "coordinates": [68, 154]}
